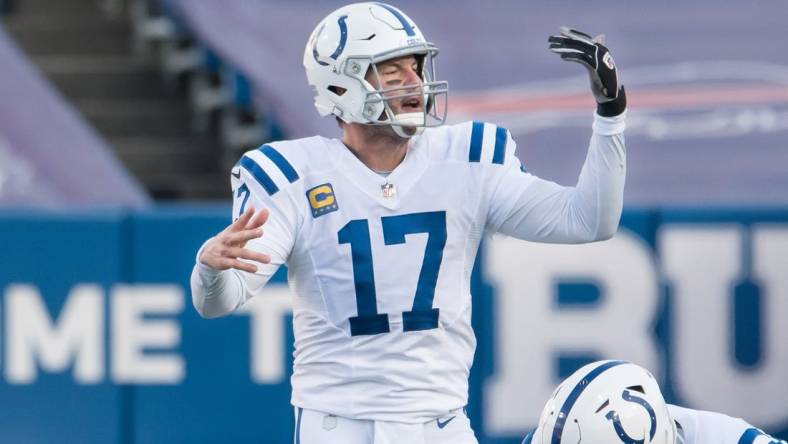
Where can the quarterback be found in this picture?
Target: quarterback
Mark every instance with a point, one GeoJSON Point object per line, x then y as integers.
{"type": "Point", "coordinates": [379, 229]}
{"type": "Point", "coordinates": [610, 402]}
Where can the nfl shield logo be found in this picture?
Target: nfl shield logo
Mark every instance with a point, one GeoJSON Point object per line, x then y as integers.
{"type": "Point", "coordinates": [389, 190]}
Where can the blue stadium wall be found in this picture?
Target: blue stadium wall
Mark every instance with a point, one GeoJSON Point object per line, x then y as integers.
{"type": "Point", "coordinates": [100, 343]}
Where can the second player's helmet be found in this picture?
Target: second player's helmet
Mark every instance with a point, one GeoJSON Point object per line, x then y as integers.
{"type": "Point", "coordinates": [347, 44]}
{"type": "Point", "coordinates": [606, 402]}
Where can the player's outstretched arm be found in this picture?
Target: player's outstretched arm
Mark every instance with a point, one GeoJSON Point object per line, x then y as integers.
{"type": "Point", "coordinates": [218, 287]}
{"type": "Point", "coordinates": [591, 52]}
{"type": "Point", "coordinates": [530, 208]}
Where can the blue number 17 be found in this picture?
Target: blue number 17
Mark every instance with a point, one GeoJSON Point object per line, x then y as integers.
{"type": "Point", "coordinates": [422, 316]}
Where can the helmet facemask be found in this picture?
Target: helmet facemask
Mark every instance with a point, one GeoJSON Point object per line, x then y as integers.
{"type": "Point", "coordinates": [377, 109]}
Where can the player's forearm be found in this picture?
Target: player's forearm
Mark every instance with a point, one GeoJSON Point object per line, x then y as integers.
{"type": "Point", "coordinates": [587, 212]}
{"type": "Point", "coordinates": [599, 194]}
{"type": "Point", "coordinates": [216, 293]}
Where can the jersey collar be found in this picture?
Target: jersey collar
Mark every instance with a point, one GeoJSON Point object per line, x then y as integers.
{"type": "Point", "coordinates": [402, 178]}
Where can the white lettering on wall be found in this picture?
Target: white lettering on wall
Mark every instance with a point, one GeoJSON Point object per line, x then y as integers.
{"type": "Point", "coordinates": [33, 338]}
{"type": "Point", "coordinates": [531, 329]}
{"type": "Point", "coordinates": [702, 264]}
{"type": "Point", "coordinates": [132, 334]}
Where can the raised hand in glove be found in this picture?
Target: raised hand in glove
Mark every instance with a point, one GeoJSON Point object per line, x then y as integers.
{"type": "Point", "coordinates": [591, 52]}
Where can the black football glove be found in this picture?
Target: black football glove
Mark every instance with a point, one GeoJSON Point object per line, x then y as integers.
{"type": "Point", "coordinates": [591, 52]}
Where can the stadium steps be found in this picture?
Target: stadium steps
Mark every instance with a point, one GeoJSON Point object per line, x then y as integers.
{"type": "Point", "coordinates": [180, 170]}
{"type": "Point", "coordinates": [68, 34]}
{"type": "Point", "coordinates": [122, 78]}
{"type": "Point", "coordinates": [121, 119]}
{"type": "Point", "coordinates": [87, 55]}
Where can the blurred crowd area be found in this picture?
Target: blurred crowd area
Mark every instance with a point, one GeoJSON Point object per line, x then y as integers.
{"type": "Point", "coordinates": [137, 93]}
{"type": "Point", "coordinates": [132, 103]}
{"type": "Point", "coordinates": [146, 101]}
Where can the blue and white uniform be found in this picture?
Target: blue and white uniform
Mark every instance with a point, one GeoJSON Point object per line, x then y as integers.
{"type": "Point", "coordinates": [614, 401]}
{"type": "Point", "coordinates": [701, 427]}
{"type": "Point", "coordinates": [380, 265]}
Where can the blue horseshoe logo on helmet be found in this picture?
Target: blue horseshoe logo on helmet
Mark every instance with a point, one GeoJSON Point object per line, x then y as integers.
{"type": "Point", "coordinates": [622, 434]}
{"type": "Point", "coordinates": [398, 15]}
{"type": "Point", "coordinates": [340, 47]}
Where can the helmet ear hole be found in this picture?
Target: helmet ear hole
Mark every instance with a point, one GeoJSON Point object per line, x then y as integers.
{"type": "Point", "coordinates": [604, 404]}
{"type": "Point", "coordinates": [338, 90]}
{"type": "Point", "coordinates": [637, 388]}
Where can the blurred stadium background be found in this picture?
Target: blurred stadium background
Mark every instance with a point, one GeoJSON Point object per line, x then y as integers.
{"type": "Point", "coordinates": [119, 120]}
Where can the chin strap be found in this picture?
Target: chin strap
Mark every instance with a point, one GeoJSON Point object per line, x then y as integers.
{"type": "Point", "coordinates": [412, 122]}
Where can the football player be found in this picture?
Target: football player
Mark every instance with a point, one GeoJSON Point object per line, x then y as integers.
{"type": "Point", "coordinates": [379, 229]}
{"type": "Point", "coordinates": [610, 402]}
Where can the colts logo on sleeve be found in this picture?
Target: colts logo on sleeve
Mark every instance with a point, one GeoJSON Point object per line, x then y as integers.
{"type": "Point", "coordinates": [322, 200]}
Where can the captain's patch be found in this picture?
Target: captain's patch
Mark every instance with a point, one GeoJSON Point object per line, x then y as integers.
{"type": "Point", "coordinates": [322, 200]}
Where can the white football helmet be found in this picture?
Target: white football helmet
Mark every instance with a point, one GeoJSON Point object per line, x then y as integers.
{"type": "Point", "coordinates": [347, 44]}
{"type": "Point", "coordinates": [606, 402]}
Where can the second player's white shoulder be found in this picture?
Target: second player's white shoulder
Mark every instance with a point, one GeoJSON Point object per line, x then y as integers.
{"type": "Point", "coordinates": [475, 142]}
{"type": "Point", "coordinates": [701, 427]}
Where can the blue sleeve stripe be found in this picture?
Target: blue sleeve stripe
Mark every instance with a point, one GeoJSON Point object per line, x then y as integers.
{"type": "Point", "coordinates": [281, 162]}
{"type": "Point", "coordinates": [500, 145]}
{"type": "Point", "coordinates": [477, 133]}
{"type": "Point", "coordinates": [749, 435]}
{"type": "Point", "coordinates": [558, 428]}
{"type": "Point", "coordinates": [260, 176]}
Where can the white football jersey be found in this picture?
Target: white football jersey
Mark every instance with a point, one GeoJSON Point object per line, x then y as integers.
{"type": "Point", "coordinates": [701, 427]}
{"type": "Point", "coordinates": [380, 265]}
